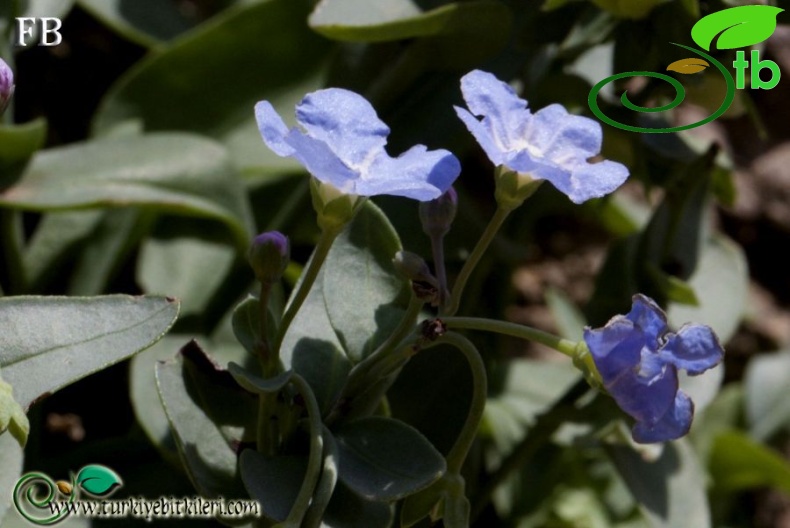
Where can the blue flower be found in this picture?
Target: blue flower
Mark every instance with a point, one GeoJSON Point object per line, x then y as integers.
{"type": "Point", "coordinates": [343, 144]}
{"type": "Point", "coordinates": [638, 360]}
{"type": "Point", "coordinates": [550, 145]}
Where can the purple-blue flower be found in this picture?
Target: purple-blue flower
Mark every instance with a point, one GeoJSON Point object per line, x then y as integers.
{"type": "Point", "coordinates": [550, 144]}
{"type": "Point", "coordinates": [638, 359]}
{"type": "Point", "coordinates": [343, 144]}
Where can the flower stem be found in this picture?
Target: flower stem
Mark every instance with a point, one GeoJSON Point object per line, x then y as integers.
{"type": "Point", "coordinates": [306, 284]}
{"type": "Point", "coordinates": [564, 346]}
{"type": "Point", "coordinates": [485, 240]}
{"type": "Point", "coordinates": [459, 451]}
{"type": "Point", "coordinates": [315, 459]}
{"type": "Point", "coordinates": [437, 247]}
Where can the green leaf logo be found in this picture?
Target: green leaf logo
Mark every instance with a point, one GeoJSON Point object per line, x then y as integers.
{"type": "Point", "coordinates": [98, 480]}
{"type": "Point", "coordinates": [736, 27]}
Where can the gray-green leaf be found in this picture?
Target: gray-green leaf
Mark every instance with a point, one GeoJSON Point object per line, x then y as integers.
{"type": "Point", "coordinates": [49, 342]}
{"type": "Point", "coordinates": [384, 459]}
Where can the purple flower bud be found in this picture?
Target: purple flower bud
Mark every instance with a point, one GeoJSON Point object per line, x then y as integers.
{"type": "Point", "coordinates": [269, 255]}
{"type": "Point", "coordinates": [437, 215]}
{"type": "Point", "coordinates": [6, 85]}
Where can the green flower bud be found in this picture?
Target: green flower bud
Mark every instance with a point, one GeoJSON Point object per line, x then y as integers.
{"type": "Point", "coordinates": [512, 188]}
{"type": "Point", "coordinates": [269, 255]}
{"type": "Point", "coordinates": [335, 208]}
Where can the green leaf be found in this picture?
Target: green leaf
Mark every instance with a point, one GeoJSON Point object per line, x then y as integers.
{"type": "Point", "coordinates": [365, 297]}
{"type": "Point", "coordinates": [736, 463]}
{"type": "Point", "coordinates": [530, 388]}
{"type": "Point", "coordinates": [670, 490]}
{"type": "Point", "coordinates": [433, 394]}
{"type": "Point", "coordinates": [146, 22]}
{"type": "Point", "coordinates": [738, 27]}
{"type": "Point", "coordinates": [11, 460]}
{"type": "Point", "coordinates": [363, 21]}
{"type": "Point", "coordinates": [104, 252]}
{"type": "Point", "coordinates": [182, 173]}
{"type": "Point", "coordinates": [49, 342]}
{"type": "Point", "coordinates": [767, 381]}
{"type": "Point", "coordinates": [349, 510]}
{"type": "Point", "coordinates": [97, 480]}
{"type": "Point", "coordinates": [257, 385]}
{"type": "Point", "coordinates": [273, 481]}
{"type": "Point", "coordinates": [722, 262]}
{"type": "Point", "coordinates": [383, 459]}
{"type": "Point", "coordinates": [17, 144]}
{"type": "Point", "coordinates": [12, 416]}
{"type": "Point", "coordinates": [145, 399]}
{"type": "Point", "coordinates": [568, 317]}
{"type": "Point", "coordinates": [57, 240]}
{"type": "Point", "coordinates": [312, 349]}
{"type": "Point", "coordinates": [185, 259]}
{"type": "Point", "coordinates": [629, 8]}
{"type": "Point", "coordinates": [246, 322]}
{"type": "Point", "coordinates": [253, 51]}
{"type": "Point", "coordinates": [210, 416]}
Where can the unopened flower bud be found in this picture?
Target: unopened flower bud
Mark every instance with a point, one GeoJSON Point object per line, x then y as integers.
{"type": "Point", "coordinates": [334, 208]}
{"type": "Point", "coordinates": [6, 85]}
{"type": "Point", "coordinates": [437, 215]}
{"type": "Point", "coordinates": [269, 255]}
{"type": "Point", "coordinates": [414, 268]}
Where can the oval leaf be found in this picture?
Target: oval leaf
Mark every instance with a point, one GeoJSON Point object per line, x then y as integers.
{"type": "Point", "coordinates": [97, 480]}
{"type": "Point", "coordinates": [671, 490]}
{"type": "Point", "coordinates": [739, 27]}
{"type": "Point", "coordinates": [49, 342]}
{"type": "Point", "coordinates": [383, 459]}
{"type": "Point", "coordinates": [365, 297]}
{"type": "Point", "coordinates": [690, 65]}
{"type": "Point", "coordinates": [182, 173]}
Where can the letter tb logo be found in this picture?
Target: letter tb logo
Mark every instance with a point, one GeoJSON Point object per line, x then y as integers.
{"type": "Point", "coordinates": [44, 31]}
{"type": "Point", "coordinates": [736, 27]}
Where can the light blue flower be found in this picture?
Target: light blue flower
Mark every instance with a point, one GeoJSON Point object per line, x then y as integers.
{"type": "Point", "coordinates": [638, 360]}
{"type": "Point", "coordinates": [343, 144]}
{"type": "Point", "coordinates": [551, 144]}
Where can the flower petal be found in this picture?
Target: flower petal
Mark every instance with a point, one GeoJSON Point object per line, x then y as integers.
{"type": "Point", "coordinates": [272, 128]}
{"type": "Point", "coordinates": [483, 135]}
{"type": "Point", "coordinates": [505, 113]}
{"type": "Point", "coordinates": [346, 122]}
{"type": "Point", "coordinates": [646, 400]}
{"type": "Point", "coordinates": [615, 347]}
{"type": "Point", "coordinates": [694, 348]}
{"type": "Point", "coordinates": [417, 173]}
{"type": "Point", "coordinates": [648, 316]}
{"type": "Point", "coordinates": [321, 161]}
{"type": "Point", "coordinates": [594, 180]}
{"type": "Point", "coordinates": [674, 424]}
{"type": "Point", "coordinates": [563, 137]}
